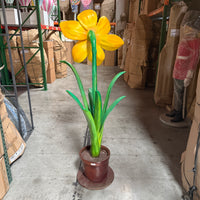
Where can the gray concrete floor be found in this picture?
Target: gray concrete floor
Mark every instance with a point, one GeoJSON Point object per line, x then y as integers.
{"type": "Point", "coordinates": [145, 154]}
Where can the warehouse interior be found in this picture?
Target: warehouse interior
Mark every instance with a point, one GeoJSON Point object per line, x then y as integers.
{"type": "Point", "coordinates": [154, 147]}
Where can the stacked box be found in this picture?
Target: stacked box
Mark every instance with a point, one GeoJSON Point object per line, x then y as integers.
{"type": "Point", "coordinates": [14, 142]}
{"type": "Point", "coordinates": [11, 16]}
{"type": "Point", "coordinates": [51, 74]}
{"type": "Point", "coordinates": [188, 157]}
{"type": "Point", "coordinates": [60, 53]}
{"type": "Point", "coordinates": [137, 58]}
{"type": "Point", "coordinates": [4, 184]}
{"type": "Point", "coordinates": [69, 45]}
{"type": "Point", "coordinates": [109, 58]}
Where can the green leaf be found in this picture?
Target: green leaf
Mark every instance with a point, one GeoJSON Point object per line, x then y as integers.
{"type": "Point", "coordinates": [91, 103]}
{"type": "Point", "coordinates": [76, 99]}
{"type": "Point", "coordinates": [79, 83]}
{"type": "Point", "coordinates": [109, 90]}
{"type": "Point", "coordinates": [95, 146]}
{"type": "Point", "coordinates": [98, 111]}
{"type": "Point", "coordinates": [110, 109]}
{"type": "Point", "coordinates": [92, 37]}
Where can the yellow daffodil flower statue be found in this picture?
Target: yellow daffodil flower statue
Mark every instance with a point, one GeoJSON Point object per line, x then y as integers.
{"type": "Point", "coordinates": [92, 38]}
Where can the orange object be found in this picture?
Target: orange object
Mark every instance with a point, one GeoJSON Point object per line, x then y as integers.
{"type": "Point", "coordinates": [113, 23]}
{"type": "Point", "coordinates": [166, 2]}
{"type": "Point", "coordinates": [157, 11]}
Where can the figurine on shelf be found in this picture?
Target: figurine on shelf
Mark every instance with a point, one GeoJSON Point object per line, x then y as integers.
{"type": "Point", "coordinates": [187, 59]}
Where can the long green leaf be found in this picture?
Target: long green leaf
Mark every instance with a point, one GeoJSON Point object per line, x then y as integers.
{"type": "Point", "coordinates": [95, 146]}
{"type": "Point", "coordinates": [91, 103]}
{"type": "Point", "coordinates": [76, 99]}
{"type": "Point", "coordinates": [98, 111]}
{"type": "Point", "coordinates": [92, 38]}
{"type": "Point", "coordinates": [109, 90]}
{"type": "Point", "coordinates": [79, 82]}
{"type": "Point", "coordinates": [110, 109]}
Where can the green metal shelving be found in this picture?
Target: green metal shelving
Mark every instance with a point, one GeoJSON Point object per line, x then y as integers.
{"type": "Point", "coordinates": [5, 73]}
{"type": "Point", "coordinates": [6, 80]}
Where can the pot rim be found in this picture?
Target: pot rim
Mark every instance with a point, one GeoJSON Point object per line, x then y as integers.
{"type": "Point", "coordinates": [96, 163]}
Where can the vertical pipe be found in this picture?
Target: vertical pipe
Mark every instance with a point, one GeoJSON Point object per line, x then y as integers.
{"type": "Point", "coordinates": [140, 1]}
{"type": "Point", "coordinates": [5, 74]}
{"type": "Point", "coordinates": [58, 5]}
{"type": "Point", "coordinates": [41, 45]}
{"type": "Point", "coordinates": [2, 76]}
{"type": "Point", "coordinates": [8, 171]}
{"type": "Point", "coordinates": [25, 67]}
{"type": "Point", "coordinates": [11, 62]}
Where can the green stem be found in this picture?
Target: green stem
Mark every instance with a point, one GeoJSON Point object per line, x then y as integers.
{"type": "Point", "coordinates": [92, 38]}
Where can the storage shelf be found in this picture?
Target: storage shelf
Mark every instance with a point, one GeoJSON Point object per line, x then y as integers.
{"type": "Point", "coordinates": [27, 27]}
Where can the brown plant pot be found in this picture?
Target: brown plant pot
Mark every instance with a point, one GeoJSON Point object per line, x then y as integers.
{"type": "Point", "coordinates": [95, 169]}
{"type": "Point", "coordinates": [95, 172]}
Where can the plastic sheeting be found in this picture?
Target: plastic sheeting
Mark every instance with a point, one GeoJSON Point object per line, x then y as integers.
{"type": "Point", "coordinates": [187, 57]}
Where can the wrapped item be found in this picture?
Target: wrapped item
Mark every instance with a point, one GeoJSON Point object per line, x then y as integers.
{"type": "Point", "coordinates": [14, 143]}
{"type": "Point", "coordinates": [108, 9]}
{"type": "Point", "coordinates": [51, 74]}
{"type": "Point", "coordinates": [64, 7]}
{"type": "Point", "coordinates": [187, 57]}
{"type": "Point", "coordinates": [133, 11]}
{"type": "Point", "coordinates": [153, 54]}
{"type": "Point", "coordinates": [128, 55]}
{"type": "Point", "coordinates": [190, 25]}
{"type": "Point", "coordinates": [164, 82]}
{"type": "Point", "coordinates": [60, 53]}
{"type": "Point", "coordinates": [34, 68]}
{"type": "Point", "coordinates": [127, 40]}
{"type": "Point", "coordinates": [137, 66]}
{"type": "Point", "coordinates": [188, 157]}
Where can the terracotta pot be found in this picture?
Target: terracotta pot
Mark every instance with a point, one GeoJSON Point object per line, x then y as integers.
{"type": "Point", "coordinates": [96, 171]}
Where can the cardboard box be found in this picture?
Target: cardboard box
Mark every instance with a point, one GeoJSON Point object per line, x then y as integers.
{"type": "Point", "coordinates": [11, 16]}
{"type": "Point", "coordinates": [43, 17]}
{"type": "Point", "coordinates": [51, 74]}
{"type": "Point", "coordinates": [69, 45]}
{"type": "Point", "coordinates": [109, 58]}
{"type": "Point", "coordinates": [14, 142]}
{"type": "Point", "coordinates": [4, 184]}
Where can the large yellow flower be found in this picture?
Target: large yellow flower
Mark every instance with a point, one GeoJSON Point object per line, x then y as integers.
{"type": "Point", "coordinates": [78, 30]}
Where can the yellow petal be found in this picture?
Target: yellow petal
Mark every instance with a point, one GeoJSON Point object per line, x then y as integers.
{"type": "Point", "coordinates": [88, 19]}
{"type": "Point", "coordinates": [73, 30]}
{"type": "Point", "coordinates": [79, 51]}
{"type": "Point", "coordinates": [103, 26]}
{"type": "Point", "coordinates": [111, 42]}
{"type": "Point", "coordinates": [100, 54]}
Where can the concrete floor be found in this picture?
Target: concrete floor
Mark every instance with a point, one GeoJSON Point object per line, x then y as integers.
{"type": "Point", "coordinates": [145, 154]}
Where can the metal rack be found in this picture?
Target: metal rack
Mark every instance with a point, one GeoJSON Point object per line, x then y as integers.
{"type": "Point", "coordinates": [6, 82]}
{"type": "Point", "coordinates": [8, 171]}
{"type": "Point", "coordinates": [5, 74]}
